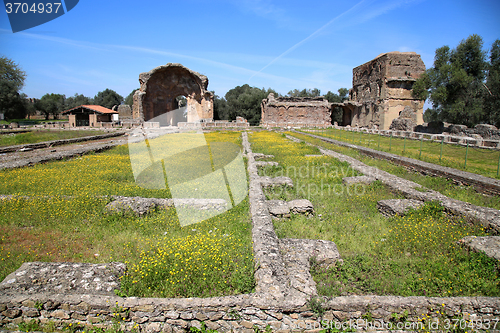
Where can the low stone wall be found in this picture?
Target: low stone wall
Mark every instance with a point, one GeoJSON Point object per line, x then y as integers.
{"type": "Point", "coordinates": [272, 124]}
{"type": "Point", "coordinates": [489, 218]}
{"type": "Point", "coordinates": [463, 140]}
{"type": "Point", "coordinates": [53, 143]}
{"type": "Point", "coordinates": [214, 124]}
{"type": "Point", "coordinates": [481, 183]}
{"type": "Point", "coordinates": [242, 313]}
{"type": "Point", "coordinates": [23, 161]}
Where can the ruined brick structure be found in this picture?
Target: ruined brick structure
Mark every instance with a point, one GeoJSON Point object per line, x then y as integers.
{"type": "Point", "coordinates": [381, 89]}
{"type": "Point", "coordinates": [295, 111]}
{"type": "Point", "coordinates": [161, 86]}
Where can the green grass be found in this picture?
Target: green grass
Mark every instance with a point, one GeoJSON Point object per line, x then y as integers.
{"type": "Point", "coordinates": [30, 121]}
{"type": "Point", "coordinates": [65, 220]}
{"type": "Point", "coordinates": [444, 186]}
{"type": "Point", "coordinates": [40, 136]}
{"type": "Point", "coordinates": [481, 161]}
{"type": "Point", "coordinates": [411, 255]}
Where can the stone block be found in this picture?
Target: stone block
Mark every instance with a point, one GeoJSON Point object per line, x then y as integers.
{"type": "Point", "coordinates": [201, 316]}
{"type": "Point", "coordinates": [278, 208]}
{"type": "Point", "coordinates": [301, 206]}
{"type": "Point", "coordinates": [12, 313]}
{"type": "Point", "coordinates": [276, 181]}
{"type": "Point", "coordinates": [400, 207]}
{"type": "Point", "coordinates": [489, 245]}
{"type": "Point", "coordinates": [31, 313]}
{"type": "Point", "coordinates": [172, 314]}
{"type": "Point", "coordinates": [153, 328]}
{"type": "Point", "coordinates": [246, 324]}
{"type": "Point", "coordinates": [260, 156]}
{"type": "Point", "coordinates": [64, 278]}
{"type": "Point", "coordinates": [367, 180]}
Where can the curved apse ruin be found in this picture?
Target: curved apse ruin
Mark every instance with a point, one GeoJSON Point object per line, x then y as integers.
{"type": "Point", "coordinates": [159, 92]}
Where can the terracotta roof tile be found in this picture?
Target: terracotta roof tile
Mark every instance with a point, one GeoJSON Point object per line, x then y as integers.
{"type": "Point", "coordinates": [96, 108]}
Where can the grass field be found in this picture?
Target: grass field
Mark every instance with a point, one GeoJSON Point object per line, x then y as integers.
{"type": "Point", "coordinates": [64, 220]}
{"type": "Point", "coordinates": [412, 255]}
{"type": "Point", "coordinates": [40, 136]}
{"type": "Point", "coordinates": [442, 185]}
{"type": "Point", "coordinates": [481, 161]}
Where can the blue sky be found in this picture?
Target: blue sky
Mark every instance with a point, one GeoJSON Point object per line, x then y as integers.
{"type": "Point", "coordinates": [266, 43]}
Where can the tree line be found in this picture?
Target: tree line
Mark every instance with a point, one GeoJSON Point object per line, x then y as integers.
{"type": "Point", "coordinates": [17, 105]}
{"type": "Point", "coordinates": [244, 101]}
{"type": "Point", "coordinates": [463, 85]}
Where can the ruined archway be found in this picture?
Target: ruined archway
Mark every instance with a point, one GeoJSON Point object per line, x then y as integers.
{"type": "Point", "coordinates": [160, 89]}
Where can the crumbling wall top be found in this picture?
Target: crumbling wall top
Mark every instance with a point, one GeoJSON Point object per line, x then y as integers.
{"type": "Point", "coordinates": [391, 66]}
{"type": "Point", "coordinates": [295, 101]}
{"type": "Point", "coordinates": [200, 79]}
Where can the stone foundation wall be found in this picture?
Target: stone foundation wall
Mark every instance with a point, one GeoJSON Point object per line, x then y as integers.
{"type": "Point", "coordinates": [54, 143]}
{"type": "Point", "coordinates": [282, 299]}
{"type": "Point", "coordinates": [463, 140]}
{"type": "Point", "coordinates": [294, 111]}
{"type": "Point", "coordinates": [481, 183]}
{"type": "Point", "coordinates": [238, 314]}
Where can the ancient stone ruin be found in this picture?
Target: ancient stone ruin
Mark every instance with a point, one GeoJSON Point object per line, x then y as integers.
{"type": "Point", "coordinates": [295, 111]}
{"type": "Point", "coordinates": [160, 89]}
{"type": "Point", "coordinates": [406, 121]}
{"type": "Point", "coordinates": [382, 89]}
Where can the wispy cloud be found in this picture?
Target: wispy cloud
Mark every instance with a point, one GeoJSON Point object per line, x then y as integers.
{"type": "Point", "coordinates": [315, 33]}
{"type": "Point", "coordinates": [144, 50]}
{"type": "Point", "coordinates": [267, 10]}
{"type": "Point", "coordinates": [65, 41]}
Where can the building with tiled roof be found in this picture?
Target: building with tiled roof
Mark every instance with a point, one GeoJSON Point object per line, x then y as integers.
{"type": "Point", "coordinates": [90, 115]}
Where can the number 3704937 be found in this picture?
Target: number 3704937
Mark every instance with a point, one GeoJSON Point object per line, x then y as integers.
{"type": "Point", "coordinates": [35, 8]}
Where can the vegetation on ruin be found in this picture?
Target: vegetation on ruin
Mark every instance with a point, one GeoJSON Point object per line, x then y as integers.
{"type": "Point", "coordinates": [482, 161]}
{"type": "Point", "coordinates": [13, 139]}
{"type": "Point", "coordinates": [412, 255]}
{"type": "Point", "coordinates": [64, 219]}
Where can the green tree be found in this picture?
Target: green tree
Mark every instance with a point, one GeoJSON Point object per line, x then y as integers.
{"type": "Point", "coordinates": [220, 108]}
{"type": "Point", "coordinates": [108, 98]}
{"type": "Point", "coordinates": [181, 101]}
{"type": "Point", "coordinates": [11, 82]}
{"type": "Point", "coordinates": [12, 73]}
{"type": "Point", "coordinates": [51, 104]}
{"type": "Point", "coordinates": [130, 98]}
{"type": "Point", "coordinates": [29, 105]}
{"type": "Point", "coordinates": [337, 112]}
{"type": "Point", "coordinates": [455, 85]}
{"type": "Point", "coordinates": [315, 92]}
{"type": "Point", "coordinates": [244, 101]}
{"type": "Point", "coordinates": [492, 86]}
{"type": "Point", "coordinates": [77, 100]}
